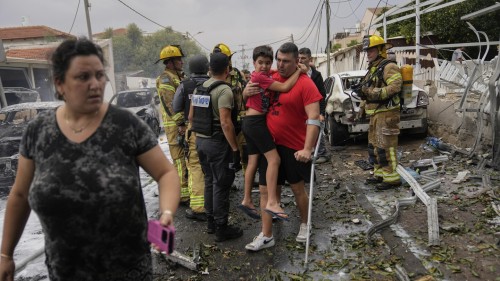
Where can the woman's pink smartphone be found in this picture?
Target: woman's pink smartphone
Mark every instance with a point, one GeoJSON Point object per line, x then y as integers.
{"type": "Point", "coordinates": [161, 236]}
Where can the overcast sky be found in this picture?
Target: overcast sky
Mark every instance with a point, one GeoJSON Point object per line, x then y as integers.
{"type": "Point", "coordinates": [235, 22]}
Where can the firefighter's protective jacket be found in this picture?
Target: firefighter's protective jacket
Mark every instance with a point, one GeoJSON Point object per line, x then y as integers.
{"type": "Point", "coordinates": [383, 94]}
{"type": "Point", "coordinates": [166, 84]}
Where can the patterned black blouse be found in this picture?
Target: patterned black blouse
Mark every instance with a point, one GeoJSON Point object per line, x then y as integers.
{"type": "Point", "coordinates": [89, 199]}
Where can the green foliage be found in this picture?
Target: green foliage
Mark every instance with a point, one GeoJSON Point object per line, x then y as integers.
{"type": "Point", "coordinates": [446, 25]}
{"type": "Point", "coordinates": [336, 47]}
{"type": "Point", "coordinates": [134, 34]}
{"type": "Point", "coordinates": [108, 33]}
{"type": "Point", "coordinates": [353, 43]}
{"type": "Point", "coordinates": [135, 52]}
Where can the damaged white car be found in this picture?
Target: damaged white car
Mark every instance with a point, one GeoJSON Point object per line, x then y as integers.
{"type": "Point", "coordinates": [144, 103]}
{"type": "Point", "coordinates": [13, 121]}
{"type": "Point", "coordinates": [342, 108]}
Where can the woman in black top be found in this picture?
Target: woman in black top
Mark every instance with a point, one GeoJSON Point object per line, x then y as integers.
{"type": "Point", "coordinates": [79, 171]}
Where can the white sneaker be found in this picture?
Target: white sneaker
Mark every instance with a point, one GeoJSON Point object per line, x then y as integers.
{"type": "Point", "coordinates": [260, 242]}
{"type": "Point", "coordinates": [302, 236]}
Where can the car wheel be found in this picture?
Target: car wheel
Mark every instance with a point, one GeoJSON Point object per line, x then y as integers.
{"type": "Point", "coordinates": [338, 133]}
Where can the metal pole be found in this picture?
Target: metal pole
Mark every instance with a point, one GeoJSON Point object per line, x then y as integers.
{"type": "Point", "coordinates": [89, 28]}
{"type": "Point", "coordinates": [328, 48]}
{"type": "Point", "coordinates": [417, 37]}
{"type": "Point", "coordinates": [3, 100]}
{"type": "Point", "coordinates": [385, 28]}
{"type": "Point", "coordinates": [311, 190]}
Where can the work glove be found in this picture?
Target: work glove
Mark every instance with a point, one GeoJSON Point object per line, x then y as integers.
{"type": "Point", "coordinates": [236, 164]}
{"type": "Point", "coordinates": [374, 94]}
{"type": "Point", "coordinates": [361, 114]}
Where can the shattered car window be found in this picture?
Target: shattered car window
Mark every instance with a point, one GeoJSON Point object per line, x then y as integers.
{"type": "Point", "coordinates": [133, 99]}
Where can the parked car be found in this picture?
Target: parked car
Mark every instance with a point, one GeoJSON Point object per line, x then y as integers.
{"type": "Point", "coordinates": [342, 108]}
{"type": "Point", "coordinates": [15, 95]}
{"type": "Point", "coordinates": [143, 102]}
{"type": "Point", "coordinates": [13, 121]}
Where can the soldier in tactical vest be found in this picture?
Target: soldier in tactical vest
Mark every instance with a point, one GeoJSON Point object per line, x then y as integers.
{"type": "Point", "coordinates": [166, 84]}
{"type": "Point", "coordinates": [198, 66]}
{"type": "Point", "coordinates": [213, 115]}
{"type": "Point", "coordinates": [237, 84]}
{"type": "Point", "coordinates": [381, 88]}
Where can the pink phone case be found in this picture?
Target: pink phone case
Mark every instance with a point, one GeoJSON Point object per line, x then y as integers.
{"type": "Point", "coordinates": [161, 236]}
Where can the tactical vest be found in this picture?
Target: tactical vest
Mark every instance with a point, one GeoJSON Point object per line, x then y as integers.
{"type": "Point", "coordinates": [203, 119]}
{"type": "Point", "coordinates": [188, 87]}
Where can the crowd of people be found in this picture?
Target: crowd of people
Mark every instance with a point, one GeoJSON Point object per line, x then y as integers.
{"type": "Point", "coordinates": [217, 121]}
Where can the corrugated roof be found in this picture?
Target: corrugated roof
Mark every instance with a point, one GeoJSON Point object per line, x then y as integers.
{"type": "Point", "coordinates": [31, 53]}
{"type": "Point", "coordinates": [31, 32]}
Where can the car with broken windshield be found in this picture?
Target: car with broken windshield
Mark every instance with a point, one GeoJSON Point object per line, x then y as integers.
{"type": "Point", "coordinates": [13, 120]}
{"type": "Point", "coordinates": [343, 107]}
{"type": "Point", "coordinates": [142, 102]}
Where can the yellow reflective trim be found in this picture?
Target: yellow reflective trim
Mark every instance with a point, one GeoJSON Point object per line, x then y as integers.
{"type": "Point", "coordinates": [383, 109]}
{"type": "Point", "coordinates": [167, 87]}
{"type": "Point", "coordinates": [393, 158]}
{"type": "Point", "coordinates": [177, 116]}
{"type": "Point", "coordinates": [393, 77]}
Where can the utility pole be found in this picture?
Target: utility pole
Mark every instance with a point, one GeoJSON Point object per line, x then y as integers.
{"type": "Point", "coordinates": [328, 48]}
{"type": "Point", "coordinates": [89, 29]}
{"type": "Point", "coordinates": [3, 58]}
{"type": "Point", "coordinates": [417, 37]}
{"type": "Point", "coordinates": [243, 57]}
{"type": "Point", "coordinates": [291, 37]}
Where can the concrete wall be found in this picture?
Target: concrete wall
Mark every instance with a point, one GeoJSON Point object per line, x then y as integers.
{"type": "Point", "coordinates": [455, 127]}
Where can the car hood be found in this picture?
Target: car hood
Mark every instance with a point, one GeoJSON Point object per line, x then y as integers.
{"type": "Point", "coordinates": [9, 130]}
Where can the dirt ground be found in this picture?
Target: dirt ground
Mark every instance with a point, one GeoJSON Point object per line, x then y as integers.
{"type": "Point", "coordinates": [343, 210]}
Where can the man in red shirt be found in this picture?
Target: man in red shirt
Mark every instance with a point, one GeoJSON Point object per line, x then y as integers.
{"type": "Point", "coordinates": [293, 120]}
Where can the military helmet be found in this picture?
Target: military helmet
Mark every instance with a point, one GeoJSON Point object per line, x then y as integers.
{"type": "Point", "coordinates": [374, 41]}
{"type": "Point", "coordinates": [198, 64]}
{"type": "Point", "coordinates": [170, 51]}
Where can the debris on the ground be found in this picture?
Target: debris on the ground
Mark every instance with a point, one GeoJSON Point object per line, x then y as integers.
{"type": "Point", "coordinates": [363, 164]}
{"type": "Point", "coordinates": [461, 176]}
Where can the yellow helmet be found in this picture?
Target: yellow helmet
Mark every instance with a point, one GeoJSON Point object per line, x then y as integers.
{"type": "Point", "coordinates": [222, 48]}
{"type": "Point", "coordinates": [170, 51]}
{"type": "Point", "coordinates": [373, 41]}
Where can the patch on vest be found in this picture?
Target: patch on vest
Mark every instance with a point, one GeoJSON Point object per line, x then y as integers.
{"type": "Point", "coordinates": [165, 80]}
{"type": "Point", "coordinates": [200, 101]}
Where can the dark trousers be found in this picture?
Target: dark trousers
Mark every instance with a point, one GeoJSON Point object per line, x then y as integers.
{"type": "Point", "coordinates": [215, 156]}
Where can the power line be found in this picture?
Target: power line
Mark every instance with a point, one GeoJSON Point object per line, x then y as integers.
{"type": "Point", "coordinates": [141, 14]}
{"type": "Point", "coordinates": [313, 18]}
{"type": "Point", "coordinates": [74, 18]}
{"type": "Point", "coordinates": [318, 19]}
{"type": "Point", "coordinates": [194, 39]}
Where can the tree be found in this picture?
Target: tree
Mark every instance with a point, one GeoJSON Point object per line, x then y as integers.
{"type": "Point", "coordinates": [134, 34]}
{"type": "Point", "coordinates": [108, 33]}
{"type": "Point", "coordinates": [446, 24]}
{"type": "Point", "coordinates": [134, 51]}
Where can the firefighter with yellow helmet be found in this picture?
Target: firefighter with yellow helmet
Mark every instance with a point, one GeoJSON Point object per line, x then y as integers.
{"type": "Point", "coordinates": [380, 90]}
{"type": "Point", "coordinates": [166, 84]}
{"type": "Point", "coordinates": [236, 80]}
